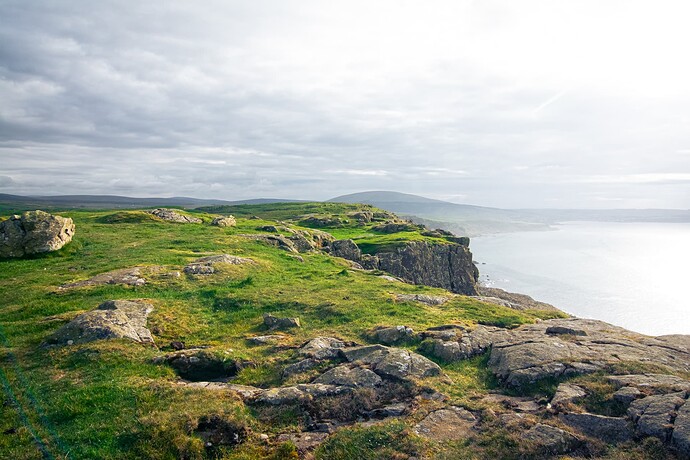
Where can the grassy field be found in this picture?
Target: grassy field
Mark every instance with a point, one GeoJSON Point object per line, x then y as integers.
{"type": "Point", "coordinates": [108, 400]}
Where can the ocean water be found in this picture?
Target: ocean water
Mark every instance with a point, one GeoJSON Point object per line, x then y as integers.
{"type": "Point", "coordinates": [632, 275]}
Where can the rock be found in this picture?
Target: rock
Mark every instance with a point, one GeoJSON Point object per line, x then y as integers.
{"type": "Point", "coordinates": [449, 424]}
{"type": "Point", "coordinates": [224, 221]}
{"type": "Point", "coordinates": [514, 403]}
{"type": "Point", "coordinates": [392, 279]}
{"type": "Point", "coordinates": [391, 410]}
{"type": "Point", "coordinates": [304, 442]}
{"type": "Point", "coordinates": [177, 345]}
{"type": "Point", "coordinates": [278, 241]}
{"type": "Point", "coordinates": [273, 322]}
{"type": "Point", "coordinates": [395, 227]}
{"type": "Point", "coordinates": [34, 232]}
{"type": "Point", "coordinates": [113, 319]}
{"type": "Point", "coordinates": [562, 330]}
{"type": "Point", "coordinates": [265, 339]}
{"type": "Point", "coordinates": [205, 265]}
{"type": "Point", "coordinates": [447, 266]}
{"type": "Point", "coordinates": [392, 335]}
{"type": "Point", "coordinates": [299, 393]}
{"type": "Point", "coordinates": [454, 343]}
{"type": "Point", "coordinates": [432, 300]}
{"type": "Point", "coordinates": [199, 365]}
{"type": "Point", "coordinates": [654, 415]}
{"type": "Point", "coordinates": [347, 249]}
{"type": "Point", "coordinates": [608, 429]}
{"type": "Point", "coordinates": [393, 362]}
{"type": "Point", "coordinates": [513, 300]}
{"type": "Point", "coordinates": [321, 221]}
{"type": "Point", "coordinates": [173, 216]}
{"type": "Point", "coordinates": [567, 393]}
{"type": "Point", "coordinates": [299, 368]}
{"type": "Point", "coordinates": [626, 395]}
{"type": "Point", "coordinates": [344, 376]}
{"type": "Point", "coordinates": [362, 217]}
{"type": "Point", "coordinates": [322, 348]}
{"type": "Point", "coordinates": [301, 243]}
{"type": "Point", "coordinates": [124, 276]}
{"type": "Point", "coordinates": [551, 440]}
{"type": "Point", "coordinates": [660, 383]}
{"type": "Point", "coordinates": [681, 431]}
{"type": "Point", "coordinates": [493, 300]}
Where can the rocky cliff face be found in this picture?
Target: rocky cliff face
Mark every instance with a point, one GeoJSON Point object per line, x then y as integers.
{"type": "Point", "coordinates": [447, 266]}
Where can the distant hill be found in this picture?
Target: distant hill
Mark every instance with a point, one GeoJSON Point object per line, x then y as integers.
{"type": "Point", "coordinates": [18, 203]}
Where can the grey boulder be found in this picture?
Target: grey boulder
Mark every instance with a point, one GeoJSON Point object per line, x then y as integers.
{"type": "Point", "coordinates": [34, 232]}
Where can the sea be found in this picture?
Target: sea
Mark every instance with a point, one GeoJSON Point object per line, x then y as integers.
{"type": "Point", "coordinates": [632, 275]}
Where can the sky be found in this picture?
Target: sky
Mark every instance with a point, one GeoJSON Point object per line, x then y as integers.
{"type": "Point", "coordinates": [553, 103]}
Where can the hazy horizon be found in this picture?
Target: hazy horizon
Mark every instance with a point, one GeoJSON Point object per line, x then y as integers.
{"type": "Point", "coordinates": [536, 104]}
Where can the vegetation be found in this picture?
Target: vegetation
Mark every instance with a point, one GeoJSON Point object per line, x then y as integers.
{"type": "Point", "coordinates": [109, 400]}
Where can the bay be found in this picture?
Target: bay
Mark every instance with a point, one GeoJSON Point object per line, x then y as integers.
{"type": "Point", "coordinates": [632, 275]}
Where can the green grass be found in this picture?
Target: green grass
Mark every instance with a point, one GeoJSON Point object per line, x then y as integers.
{"type": "Point", "coordinates": [108, 400]}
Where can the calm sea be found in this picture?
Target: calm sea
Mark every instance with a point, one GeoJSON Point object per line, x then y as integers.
{"type": "Point", "coordinates": [632, 275]}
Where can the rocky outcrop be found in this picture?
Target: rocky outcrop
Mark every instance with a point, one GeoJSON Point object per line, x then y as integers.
{"type": "Point", "coordinates": [170, 215]}
{"type": "Point", "coordinates": [392, 362]}
{"type": "Point", "coordinates": [550, 440]}
{"type": "Point", "coordinates": [113, 319]}
{"type": "Point", "coordinates": [567, 393]}
{"type": "Point", "coordinates": [322, 348]}
{"type": "Point", "coordinates": [347, 249]}
{"type": "Point", "coordinates": [391, 335]}
{"type": "Point", "coordinates": [448, 424]}
{"type": "Point", "coordinates": [205, 265]}
{"type": "Point", "coordinates": [124, 276]}
{"type": "Point", "coordinates": [224, 221]}
{"type": "Point", "coordinates": [275, 323]}
{"type": "Point", "coordinates": [34, 232]}
{"type": "Point", "coordinates": [350, 377]}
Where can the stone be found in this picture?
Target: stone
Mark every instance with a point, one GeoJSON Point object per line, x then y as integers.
{"type": "Point", "coordinates": [299, 394]}
{"type": "Point", "coordinates": [448, 424]}
{"type": "Point", "coordinates": [608, 429]}
{"type": "Point", "coordinates": [452, 343]}
{"type": "Point", "coordinates": [347, 249]}
{"type": "Point", "coordinates": [301, 243]}
{"type": "Point", "coordinates": [278, 241]}
{"type": "Point", "coordinates": [113, 319]}
{"type": "Point", "coordinates": [205, 265]}
{"type": "Point", "coordinates": [391, 410]}
{"type": "Point", "coordinates": [654, 415]}
{"type": "Point", "coordinates": [626, 395]}
{"type": "Point", "coordinates": [199, 365]}
{"type": "Point", "coordinates": [392, 335]}
{"type": "Point", "coordinates": [514, 403]}
{"type": "Point", "coordinates": [681, 431]}
{"type": "Point", "coordinates": [393, 363]}
{"type": "Point", "coordinates": [362, 217]}
{"type": "Point", "coordinates": [562, 330]}
{"type": "Point", "coordinates": [299, 368]}
{"type": "Point", "coordinates": [567, 393]}
{"type": "Point", "coordinates": [432, 300]}
{"type": "Point", "coordinates": [34, 232]}
{"type": "Point", "coordinates": [551, 440]}
{"type": "Point", "coordinates": [224, 221]}
{"type": "Point", "coordinates": [322, 348]}
{"type": "Point", "coordinates": [124, 276]}
{"type": "Point", "coordinates": [171, 215]}
{"type": "Point", "coordinates": [345, 376]}
{"type": "Point", "coordinates": [273, 322]}
{"type": "Point", "coordinates": [265, 339]}
{"type": "Point", "coordinates": [513, 300]}
{"type": "Point", "coordinates": [321, 221]}
{"type": "Point", "coordinates": [395, 227]}
{"type": "Point", "coordinates": [661, 383]}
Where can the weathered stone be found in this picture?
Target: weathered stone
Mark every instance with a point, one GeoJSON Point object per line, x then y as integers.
{"type": "Point", "coordinates": [299, 367]}
{"type": "Point", "coordinates": [626, 395]}
{"type": "Point", "coordinates": [34, 232]}
{"type": "Point", "coordinates": [347, 249]}
{"type": "Point", "coordinates": [551, 440]}
{"type": "Point", "coordinates": [299, 393]}
{"type": "Point", "coordinates": [304, 442]}
{"type": "Point", "coordinates": [391, 410]}
{"type": "Point", "coordinates": [369, 262]}
{"type": "Point", "coordinates": [395, 227]}
{"type": "Point", "coordinates": [393, 362]}
{"type": "Point", "coordinates": [265, 339]}
{"type": "Point", "coordinates": [493, 300]}
{"type": "Point", "coordinates": [301, 243]}
{"type": "Point", "coordinates": [660, 383]}
{"type": "Point", "coordinates": [454, 343]}
{"type": "Point", "coordinates": [392, 335]}
{"type": "Point", "coordinates": [224, 221]}
{"type": "Point", "coordinates": [449, 424]}
{"type": "Point", "coordinates": [113, 319]}
{"type": "Point", "coordinates": [322, 348]}
{"type": "Point", "coordinates": [562, 330]}
{"type": "Point", "coordinates": [273, 322]}
{"type": "Point", "coordinates": [205, 265]}
{"type": "Point", "coordinates": [432, 300]}
{"type": "Point", "coordinates": [173, 216]}
{"type": "Point", "coordinates": [345, 376]}
{"type": "Point", "coordinates": [514, 403]}
{"type": "Point", "coordinates": [278, 241]}
{"type": "Point", "coordinates": [124, 276]}
{"type": "Point", "coordinates": [362, 217]}
{"type": "Point", "coordinates": [654, 415]}
{"type": "Point", "coordinates": [199, 365]}
{"type": "Point", "coordinates": [681, 431]}
{"type": "Point", "coordinates": [567, 393]}
{"type": "Point", "coordinates": [608, 429]}
{"type": "Point", "coordinates": [321, 221]}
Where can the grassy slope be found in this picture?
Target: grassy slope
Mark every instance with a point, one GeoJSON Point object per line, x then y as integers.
{"type": "Point", "coordinates": [107, 400]}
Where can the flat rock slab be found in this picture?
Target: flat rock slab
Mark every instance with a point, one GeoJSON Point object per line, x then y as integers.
{"type": "Point", "coordinates": [654, 415]}
{"type": "Point", "coordinates": [432, 300]}
{"type": "Point", "coordinates": [265, 339]}
{"type": "Point", "coordinates": [34, 232]}
{"type": "Point", "coordinates": [551, 440]}
{"type": "Point", "coordinates": [513, 300]}
{"type": "Point", "coordinates": [567, 393]}
{"type": "Point", "coordinates": [299, 393]}
{"type": "Point", "coordinates": [514, 403]}
{"type": "Point", "coordinates": [449, 424]}
{"type": "Point", "coordinates": [393, 362]}
{"type": "Point", "coordinates": [608, 429]}
{"type": "Point", "coordinates": [125, 276]}
{"type": "Point", "coordinates": [681, 431]}
{"type": "Point", "coordinates": [171, 215]}
{"type": "Point", "coordinates": [391, 335]}
{"type": "Point", "coordinates": [350, 377]}
{"type": "Point", "coordinates": [206, 265]}
{"type": "Point", "coordinates": [659, 383]}
{"type": "Point", "coordinates": [113, 319]}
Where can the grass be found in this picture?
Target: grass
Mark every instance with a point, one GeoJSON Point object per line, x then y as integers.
{"type": "Point", "coordinates": [108, 399]}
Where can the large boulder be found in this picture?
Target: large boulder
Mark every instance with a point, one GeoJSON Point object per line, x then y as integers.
{"type": "Point", "coordinates": [170, 215]}
{"type": "Point", "coordinates": [224, 221]}
{"type": "Point", "coordinates": [349, 377]}
{"type": "Point", "coordinates": [274, 323]}
{"type": "Point", "coordinates": [654, 415]}
{"type": "Point", "coordinates": [112, 319]}
{"type": "Point", "coordinates": [393, 363]}
{"type": "Point", "coordinates": [322, 348]}
{"type": "Point", "coordinates": [34, 232]}
{"type": "Point", "coordinates": [608, 429]}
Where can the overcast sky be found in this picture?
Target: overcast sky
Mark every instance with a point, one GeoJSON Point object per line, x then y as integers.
{"type": "Point", "coordinates": [498, 103]}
